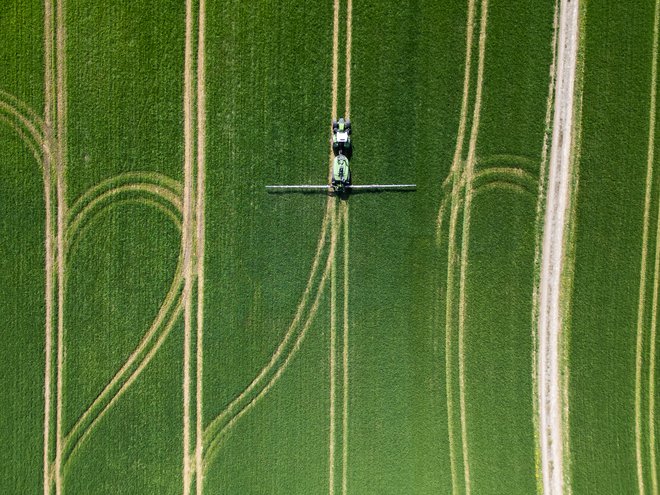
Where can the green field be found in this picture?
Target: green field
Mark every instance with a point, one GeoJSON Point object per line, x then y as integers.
{"type": "Point", "coordinates": [171, 328]}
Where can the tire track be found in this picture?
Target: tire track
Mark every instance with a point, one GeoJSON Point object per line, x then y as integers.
{"type": "Point", "coordinates": [27, 141]}
{"type": "Point", "coordinates": [342, 222]}
{"type": "Point", "coordinates": [31, 132]}
{"type": "Point", "coordinates": [200, 238]}
{"type": "Point", "coordinates": [87, 207]}
{"type": "Point", "coordinates": [187, 238]}
{"type": "Point", "coordinates": [243, 401]}
{"type": "Point", "coordinates": [333, 360]}
{"type": "Point", "coordinates": [465, 240]}
{"type": "Point", "coordinates": [51, 283]}
{"type": "Point", "coordinates": [76, 225]}
{"type": "Point", "coordinates": [55, 139]}
{"type": "Point", "coordinates": [212, 443]}
{"type": "Point", "coordinates": [349, 48]}
{"type": "Point", "coordinates": [518, 178]}
{"type": "Point", "coordinates": [225, 420]}
{"type": "Point", "coordinates": [31, 129]}
{"type": "Point", "coordinates": [642, 290]}
{"type": "Point", "coordinates": [651, 390]}
{"type": "Point", "coordinates": [344, 457]}
{"type": "Point", "coordinates": [23, 108]}
{"type": "Point", "coordinates": [73, 443]}
{"type": "Point", "coordinates": [332, 207]}
{"type": "Point", "coordinates": [454, 177]}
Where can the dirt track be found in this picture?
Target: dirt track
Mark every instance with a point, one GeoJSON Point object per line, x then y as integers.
{"type": "Point", "coordinates": [552, 264]}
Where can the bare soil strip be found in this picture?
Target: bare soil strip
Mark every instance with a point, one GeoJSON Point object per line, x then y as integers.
{"type": "Point", "coordinates": [642, 291]}
{"type": "Point", "coordinates": [553, 251]}
{"type": "Point", "coordinates": [541, 196]}
{"type": "Point", "coordinates": [465, 240]}
{"type": "Point", "coordinates": [187, 238]}
{"type": "Point", "coordinates": [200, 238]}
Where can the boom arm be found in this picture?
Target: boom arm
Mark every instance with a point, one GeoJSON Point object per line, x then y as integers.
{"type": "Point", "coordinates": [361, 187]}
{"type": "Point", "coordinates": [299, 187]}
{"type": "Point", "coordinates": [383, 187]}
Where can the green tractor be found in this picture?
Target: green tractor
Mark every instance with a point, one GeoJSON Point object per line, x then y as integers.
{"type": "Point", "coordinates": [342, 148]}
{"type": "Point", "coordinates": [340, 182]}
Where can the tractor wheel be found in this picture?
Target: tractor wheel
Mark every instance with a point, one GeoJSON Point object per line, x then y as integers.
{"type": "Point", "coordinates": [348, 125]}
{"type": "Point", "coordinates": [335, 125]}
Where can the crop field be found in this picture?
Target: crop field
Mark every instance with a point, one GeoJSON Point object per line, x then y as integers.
{"type": "Point", "coordinates": [169, 327]}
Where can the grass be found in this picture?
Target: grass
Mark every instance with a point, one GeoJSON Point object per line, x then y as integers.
{"type": "Point", "coordinates": [608, 249]}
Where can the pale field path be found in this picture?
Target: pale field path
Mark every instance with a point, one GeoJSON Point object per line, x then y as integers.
{"type": "Point", "coordinates": [23, 108]}
{"type": "Point", "coordinates": [257, 389]}
{"type": "Point", "coordinates": [71, 448]}
{"type": "Point", "coordinates": [552, 255]}
{"type": "Point", "coordinates": [164, 193]}
{"type": "Point", "coordinates": [540, 202]}
{"type": "Point", "coordinates": [226, 419]}
{"type": "Point", "coordinates": [61, 166]}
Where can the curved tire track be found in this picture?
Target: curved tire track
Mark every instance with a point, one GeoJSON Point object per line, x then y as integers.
{"type": "Point", "coordinates": [91, 204]}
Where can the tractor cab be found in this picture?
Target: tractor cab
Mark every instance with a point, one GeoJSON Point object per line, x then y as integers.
{"type": "Point", "coordinates": [341, 137]}
{"type": "Point", "coordinates": [341, 173]}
